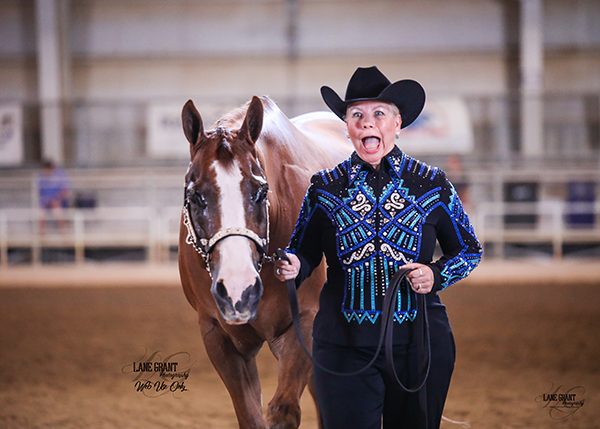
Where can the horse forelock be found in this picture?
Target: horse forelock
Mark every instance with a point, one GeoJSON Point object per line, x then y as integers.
{"type": "Point", "coordinates": [224, 153]}
{"type": "Point", "coordinates": [220, 145]}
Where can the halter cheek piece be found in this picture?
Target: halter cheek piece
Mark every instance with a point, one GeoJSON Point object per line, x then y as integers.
{"type": "Point", "coordinates": [205, 246]}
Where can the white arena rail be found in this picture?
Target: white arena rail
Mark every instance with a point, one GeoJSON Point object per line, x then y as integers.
{"type": "Point", "coordinates": [550, 226]}
{"type": "Point", "coordinates": [157, 231]}
{"type": "Point", "coordinates": [141, 209]}
{"type": "Point", "coordinates": [80, 229]}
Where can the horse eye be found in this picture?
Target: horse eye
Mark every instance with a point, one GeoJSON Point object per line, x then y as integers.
{"type": "Point", "coordinates": [197, 199]}
{"type": "Point", "coordinates": [261, 195]}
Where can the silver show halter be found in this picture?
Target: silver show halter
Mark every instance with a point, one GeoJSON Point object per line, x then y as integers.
{"type": "Point", "coordinates": [205, 246]}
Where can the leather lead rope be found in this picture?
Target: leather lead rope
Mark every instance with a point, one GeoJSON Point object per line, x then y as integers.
{"type": "Point", "coordinates": [386, 334]}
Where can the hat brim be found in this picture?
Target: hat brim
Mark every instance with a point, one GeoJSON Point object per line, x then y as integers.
{"type": "Point", "coordinates": [408, 95]}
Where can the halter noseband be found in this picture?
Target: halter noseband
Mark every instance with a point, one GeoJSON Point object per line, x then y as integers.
{"type": "Point", "coordinates": [205, 246]}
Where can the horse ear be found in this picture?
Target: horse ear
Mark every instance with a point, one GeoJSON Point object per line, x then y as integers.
{"type": "Point", "coordinates": [192, 123]}
{"type": "Point", "coordinates": [253, 122]}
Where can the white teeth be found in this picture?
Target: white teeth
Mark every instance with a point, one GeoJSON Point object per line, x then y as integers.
{"type": "Point", "coordinates": [370, 140]}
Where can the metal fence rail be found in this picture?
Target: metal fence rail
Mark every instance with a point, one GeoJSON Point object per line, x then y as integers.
{"type": "Point", "coordinates": [102, 133]}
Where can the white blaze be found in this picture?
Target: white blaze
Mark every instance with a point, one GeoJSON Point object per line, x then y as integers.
{"type": "Point", "coordinates": [236, 269]}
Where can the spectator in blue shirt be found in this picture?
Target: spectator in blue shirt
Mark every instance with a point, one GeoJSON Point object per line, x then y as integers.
{"type": "Point", "coordinates": [54, 192]}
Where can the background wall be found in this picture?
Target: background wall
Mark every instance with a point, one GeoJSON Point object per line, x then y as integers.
{"type": "Point", "coordinates": [116, 57]}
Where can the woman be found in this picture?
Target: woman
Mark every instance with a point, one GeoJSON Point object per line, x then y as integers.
{"type": "Point", "coordinates": [377, 212]}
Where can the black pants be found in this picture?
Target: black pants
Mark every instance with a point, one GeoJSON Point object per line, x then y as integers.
{"type": "Point", "coordinates": [360, 402]}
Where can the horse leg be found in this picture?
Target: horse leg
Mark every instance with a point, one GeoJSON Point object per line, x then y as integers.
{"type": "Point", "coordinates": [295, 371]}
{"type": "Point", "coordinates": [239, 374]}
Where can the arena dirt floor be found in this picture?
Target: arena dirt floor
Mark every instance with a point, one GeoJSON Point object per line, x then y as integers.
{"type": "Point", "coordinates": [69, 337]}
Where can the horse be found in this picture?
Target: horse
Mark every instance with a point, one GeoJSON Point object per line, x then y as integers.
{"type": "Point", "coordinates": [243, 192]}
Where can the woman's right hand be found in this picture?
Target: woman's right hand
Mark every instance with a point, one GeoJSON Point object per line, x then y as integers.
{"type": "Point", "coordinates": [286, 271]}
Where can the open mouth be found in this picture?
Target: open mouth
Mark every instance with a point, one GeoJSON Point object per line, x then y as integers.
{"type": "Point", "coordinates": [371, 144]}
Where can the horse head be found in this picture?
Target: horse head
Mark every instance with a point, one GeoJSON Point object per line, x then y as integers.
{"type": "Point", "coordinates": [227, 210]}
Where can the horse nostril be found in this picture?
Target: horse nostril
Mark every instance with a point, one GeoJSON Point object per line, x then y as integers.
{"type": "Point", "coordinates": [221, 290]}
{"type": "Point", "coordinates": [258, 289]}
{"type": "Point", "coordinates": [251, 296]}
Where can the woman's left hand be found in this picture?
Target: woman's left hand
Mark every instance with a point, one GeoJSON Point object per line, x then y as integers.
{"type": "Point", "coordinates": [421, 279]}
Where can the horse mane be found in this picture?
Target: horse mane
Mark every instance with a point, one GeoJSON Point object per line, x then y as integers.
{"type": "Point", "coordinates": [281, 143]}
{"type": "Point", "coordinates": [232, 118]}
{"type": "Point", "coordinates": [278, 134]}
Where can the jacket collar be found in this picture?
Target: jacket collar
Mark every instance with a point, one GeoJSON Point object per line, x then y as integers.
{"type": "Point", "coordinates": [393, 162]}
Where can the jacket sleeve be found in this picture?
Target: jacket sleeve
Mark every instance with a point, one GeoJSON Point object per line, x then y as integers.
{"type": "Point", "coordinates": [461, 251]}
{"type": "Point", "coordinates": [306, 241]}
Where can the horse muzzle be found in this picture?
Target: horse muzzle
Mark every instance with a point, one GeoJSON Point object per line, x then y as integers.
{"type": "Point", "coordinates": [245, 309]}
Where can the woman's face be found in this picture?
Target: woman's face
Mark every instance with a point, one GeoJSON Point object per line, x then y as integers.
{"type": "Point", "coordinates": [372, 128]}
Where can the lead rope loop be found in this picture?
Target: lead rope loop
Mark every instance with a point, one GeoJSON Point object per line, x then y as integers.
{"type": "Point", "coordinates": [386, 334]}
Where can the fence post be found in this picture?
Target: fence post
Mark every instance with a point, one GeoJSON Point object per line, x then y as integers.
{"type": "Point", "coordinates": [36, 245]}
{"type": "Point", "coordinates": [3, 240]}
{"type": "Point", "coordinates": [79, 236]}
{"type": "Point", "coordinates": [153, 220]}
{"type": "Point", "coordinates": [557, 230]}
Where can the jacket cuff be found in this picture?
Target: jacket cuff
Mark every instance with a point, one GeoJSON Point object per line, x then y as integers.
{"type": "Point", "coordinates": [304, 270]}
{"type": "Point", "coordinates": [437, 276]}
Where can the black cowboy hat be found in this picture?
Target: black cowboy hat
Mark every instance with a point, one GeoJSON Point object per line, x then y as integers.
{"type": "Point", "coordinates": [370, 84]}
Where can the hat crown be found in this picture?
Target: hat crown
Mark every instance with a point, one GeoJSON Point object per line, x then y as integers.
{"type": "Point", "coordinates": [370, 84]}
{"type": "Point", "coordinates": [366, 82]}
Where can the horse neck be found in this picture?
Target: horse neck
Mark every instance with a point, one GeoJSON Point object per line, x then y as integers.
{"type": "Point", "coordinates": [279, 138]}
{"type": "Point", "coordinates": [288, 159]}
{"type": "Point", "coordinates": [282, 141]}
